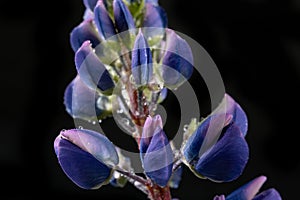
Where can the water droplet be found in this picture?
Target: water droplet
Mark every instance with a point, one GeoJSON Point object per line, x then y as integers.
{"type": "Point", "coordinates": [136, 113]}
{"type": "Point", "coordinates": [145, 104]}
{"type": "Point", "coordinates": [137, 184]}
{"type": "Point", "coordinates": [125, 121]}
{"type": "Point", "coordinates": [117, 175]}
{"type": "Point", "coordinates": [131, 79]}
{"type": "Point", "coordinates": [120, 111]}
{"type": "Point", "coordinates": [185, 127]}
{"type": "Point", "coordinates": [80, 127]}
{"type": "Point", "coordinates": [100, 121]}
{"type": "Point", "coordinates": [94, 122]}
{"type": "Point", "coordinates": [103, 103]}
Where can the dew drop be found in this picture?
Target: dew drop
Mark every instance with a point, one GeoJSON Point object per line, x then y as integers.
{"type": "Point", "coordinates": [137, 184]}
{"type": "Point", "coordinates": [100, 121]}
{"type": "Point", "coordinates": [131, 79]}
{"type": "Point", "coordinates": [103, 103]}
{"type": "Point", "coordinates": [185, 127]}
{"type": "Point", "coordinates": [80, 127]}
{"type": "Point", "coordinates": [94, 122]}
{"type": "Point", "coordinates": [120, 111]}
{"type": "Point", "coordinates": [117, 175]}
{"type": "Point", "coordinates": [136, 113]}
{"type": "Point", "coordinates": [125, 121]}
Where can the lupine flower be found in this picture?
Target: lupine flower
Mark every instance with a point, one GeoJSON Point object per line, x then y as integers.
{"type": "Point", "coordinates": [155, 22]}
{"type": "Point", "coordinates": [177, 63]}
{"type": "Point", "coordinates": [250, 191]}
{"type": "Point", "coordinates": [125, 46]}
{"type": "Point", "coordinates": [155, 16]}
{"type": "Point", "coordinates": [176, 178]}
{"type": "Point", "coordinates": [217, 149]}
{"type": "Point", "coordinates": [103, 21]}
{"type": "Point", "coordinates": [90, 4]}
{"type": "Point", "coordinates": [154, 2]}
{"type": "Point", "coordinates": [91, 70]}
{"type": "Point", "coordinates": [231, 107]}
{"type": "Point", "coordinates": [83, 32]}
{"type": "Point", "coordinates": [123, 18]}
{"type": "Point", "coordinates": [141, 66]}
{"type": "Point", "coordinates": [87, 157]}
{"type": "Point", "coordinates": [163, 95]}
{"type": "Point", "coordinates": [156, 152]}
{"type": "Point", "coordinates": [81, 101]}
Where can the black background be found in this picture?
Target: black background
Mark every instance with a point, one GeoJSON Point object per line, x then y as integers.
{"type": "Point", "coordinates": [255, 44]}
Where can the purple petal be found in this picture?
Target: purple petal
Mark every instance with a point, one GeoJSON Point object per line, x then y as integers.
{"type": "Point", "coordinates": [154, 2]}
{"type": "Point", "coordinates": [155, 22]}
{"type": "Point", "coordinates": [88, 15]}
{"type": "Point", "coordinates": [90, 4]}
{"type": "Point", "coordinates": [239, 115]}
{"type": "Point", "coordinates": [123, 18]}
{"type": "Point", "coordinates": [226, 160]}
{"type": "Point", "coordinates": [222, 197]}
{"type": "Point", "coordinates": [91, 70]}
{"type": "Point", "coordinates": [103, 21]}
{"type": "Point", "coordinates": [176, 178]}
{"type": "Point", "coordinates": [80, 101]}
{"type": "Point", "coordinates": [155, 16]}
{"type": "Point", "coordinates": [142, 68]}
{"type": "Point", "coordinates": [83, 32]}
{"type": "Point", "coordinates": [163, 95]}
{"type": "Point", "coordinates": [177, 62]}
{"type": "Point", "coordinates": [80, 166]}
{"type": "Point", "coordinates": [94, 143]}
{"type": "Point", "coordinates": [249, 190]}
{"type": "Point", "coordinates": [150, 126]}
{"type": "Point", "coordinates": [231, 107]}
{"type": "Point", "coordinates": [158, 160]}
{"type": "Point", "coordinates": [270, 194]}
{"type": "Point", "coordinates": [204, 137]}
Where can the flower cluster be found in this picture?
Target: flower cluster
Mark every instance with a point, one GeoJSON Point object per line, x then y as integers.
{"type": "Point", "coordinates": [127, 60]}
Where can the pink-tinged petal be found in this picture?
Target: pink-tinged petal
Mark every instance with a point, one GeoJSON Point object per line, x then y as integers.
{"type": "Point", "coordinates": [151, 124]}
{"type": "Point", "coordinates": [158, 159]}
{"type": "Point", "coordinates": [80, 166]}
{"type": "Point", "coordinates": [249, 190]}
{"type": "Point", "coordinates": [94, 143]}
{"type": "Point", "coordinates": [222, 197]}
{"type": "Point", "coordinates": [231, 107]}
